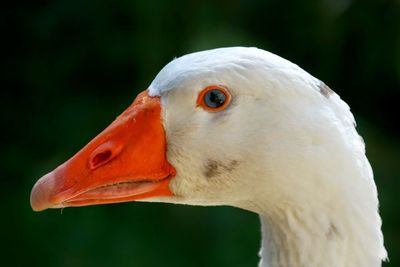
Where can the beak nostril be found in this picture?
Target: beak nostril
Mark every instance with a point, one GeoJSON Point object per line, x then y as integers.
{"type": "Point", "coordinates": [100, 158]}
{"type": "Point", "coordinates": [104, 154]}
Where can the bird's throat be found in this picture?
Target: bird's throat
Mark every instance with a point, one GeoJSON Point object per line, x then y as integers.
{"type": "Point", "coordinates": [303, 239]}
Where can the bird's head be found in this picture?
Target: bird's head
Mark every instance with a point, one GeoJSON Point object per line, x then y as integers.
{"type": "Point", "coordinates": [219, 127]}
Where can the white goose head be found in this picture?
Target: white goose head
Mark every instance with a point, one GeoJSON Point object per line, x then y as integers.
{"type": "Point", "coordinates": [246, 128]}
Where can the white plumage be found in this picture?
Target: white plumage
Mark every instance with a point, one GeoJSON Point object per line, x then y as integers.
{"type": "Point", "coordinates": [286, 148]}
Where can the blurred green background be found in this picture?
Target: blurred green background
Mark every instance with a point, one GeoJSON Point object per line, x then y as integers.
{"type": "Point", "coordinates": [70, 67]}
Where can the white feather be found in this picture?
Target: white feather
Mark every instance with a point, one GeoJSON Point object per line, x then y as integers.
{"type": "Point", "coordinates": [284, 148]}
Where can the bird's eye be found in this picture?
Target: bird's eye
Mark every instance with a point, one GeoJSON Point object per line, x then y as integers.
{"type": "Point", "coordinates": [214, 98]}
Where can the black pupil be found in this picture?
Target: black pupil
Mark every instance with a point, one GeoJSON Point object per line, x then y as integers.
{"type": "Point", "coordinates": [214, 98]}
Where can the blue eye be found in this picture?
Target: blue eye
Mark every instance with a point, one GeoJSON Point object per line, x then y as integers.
{"type": "Point", "coordinates": [214, 98]}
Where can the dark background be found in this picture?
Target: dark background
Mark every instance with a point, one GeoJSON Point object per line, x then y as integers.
{"type": "Point", "coordinates": [71, 66]}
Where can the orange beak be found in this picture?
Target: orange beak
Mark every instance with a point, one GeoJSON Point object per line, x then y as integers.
{"type": "Point", "coordinates": [126, 162]}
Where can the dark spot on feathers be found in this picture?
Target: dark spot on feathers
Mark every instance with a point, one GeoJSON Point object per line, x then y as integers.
{"type": "Point", "coordinates": [232, 165]}
{"type": "Point", "coordinates": [211, 169]}
{"type": "Point", "coordinates": [214, 168]}
{"type": "Point", "coordinates": [332, 231]}
{"type": "Point", "coordinates": [325, 90]}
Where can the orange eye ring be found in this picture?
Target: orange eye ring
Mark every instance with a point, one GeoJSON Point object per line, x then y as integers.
{"type": "Point", "coordinates": [214, 98]}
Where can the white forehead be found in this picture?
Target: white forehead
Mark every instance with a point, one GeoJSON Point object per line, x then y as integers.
{"type": "Point", "coordinates": [220, 61]}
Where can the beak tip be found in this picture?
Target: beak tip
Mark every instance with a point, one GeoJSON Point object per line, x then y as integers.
{"type": "Point", "coordinates": [40, 194]}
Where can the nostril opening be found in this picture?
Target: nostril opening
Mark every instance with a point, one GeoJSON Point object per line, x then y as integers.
{"type": "Point", "coordinates": [100, 158]}
{"type": "Point", "coordinates": [104, 153]}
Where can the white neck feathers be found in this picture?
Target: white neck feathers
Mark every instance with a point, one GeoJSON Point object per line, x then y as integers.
{"type": "Point", "coordinates": [339, 234]}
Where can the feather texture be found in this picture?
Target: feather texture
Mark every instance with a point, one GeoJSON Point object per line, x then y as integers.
{"type": "Point", "coordinates": [286, 148]}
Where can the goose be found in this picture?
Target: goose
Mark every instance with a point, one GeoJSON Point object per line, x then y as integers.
{"type": "Point", "coordinates": [241, 127]}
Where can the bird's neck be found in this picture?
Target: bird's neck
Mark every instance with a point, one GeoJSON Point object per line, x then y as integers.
{"type": "Point", "coordinates": [289, 241]}
{"type": "Point", "coordinates": [320, 208]}
{"type": "Point", "coordinates": [301, 238]}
